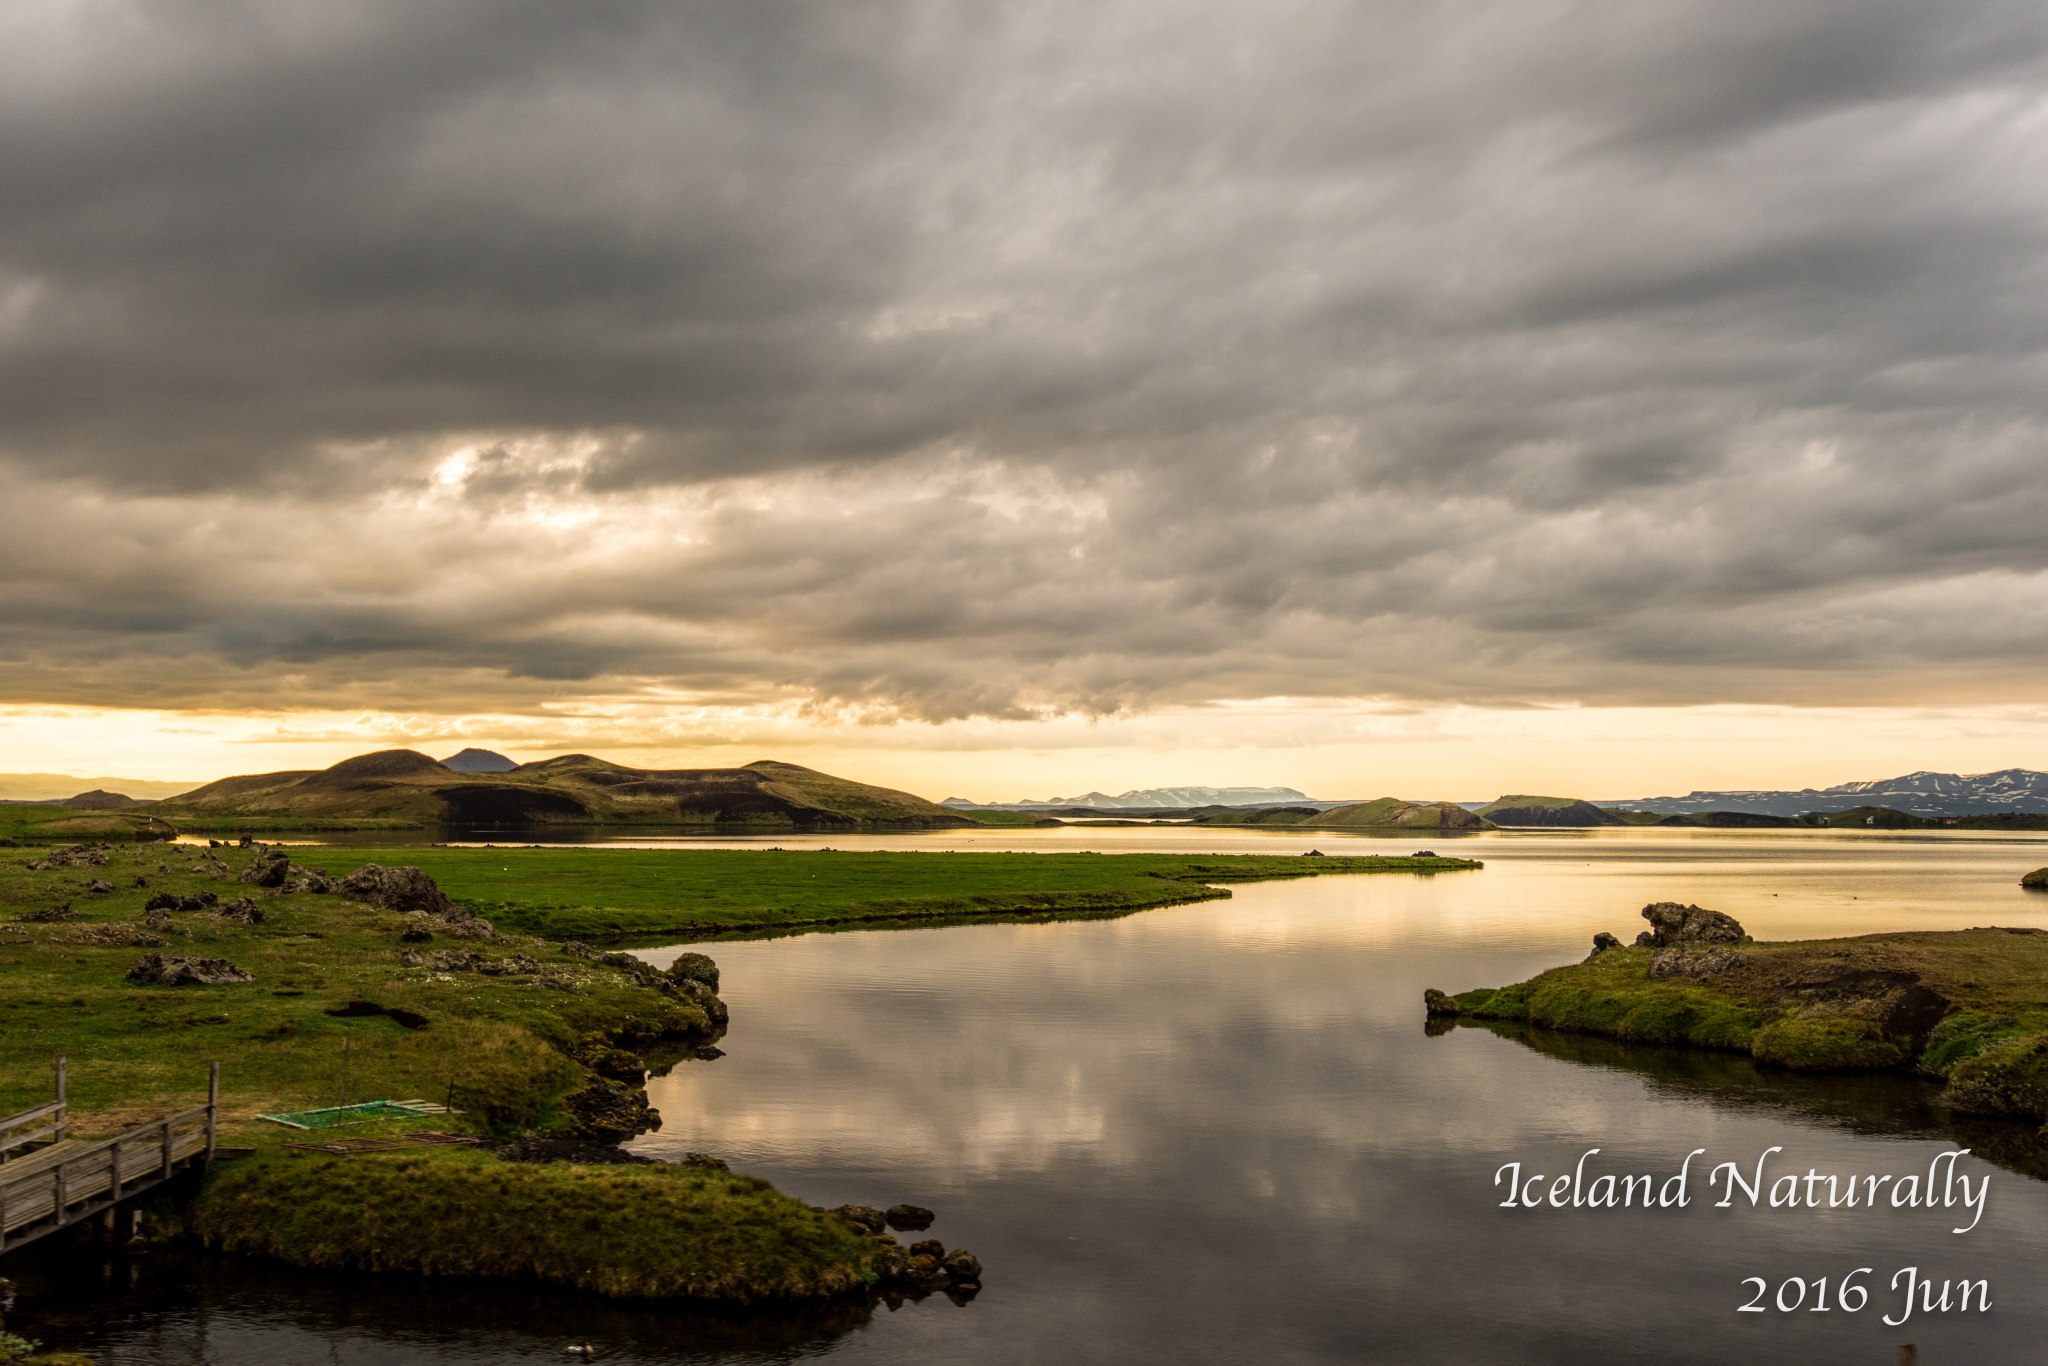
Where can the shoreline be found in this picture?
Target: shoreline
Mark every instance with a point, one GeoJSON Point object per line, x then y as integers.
{"type": "Point", "coordinates": [349, 983]}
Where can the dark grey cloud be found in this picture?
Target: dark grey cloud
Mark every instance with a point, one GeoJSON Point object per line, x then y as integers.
{"type": "Point", "coordinates": [948, 360]}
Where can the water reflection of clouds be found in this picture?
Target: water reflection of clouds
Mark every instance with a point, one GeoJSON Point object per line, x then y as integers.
{"type": "Point", "coordinates": [1219, 1130]}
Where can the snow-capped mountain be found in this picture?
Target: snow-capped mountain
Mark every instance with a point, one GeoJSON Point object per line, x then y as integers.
{"type": "Point", "coordinates": [1920, 794]}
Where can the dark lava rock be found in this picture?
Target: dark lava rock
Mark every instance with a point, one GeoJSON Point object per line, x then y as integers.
{"type": "Point", "coordinates": [99, 886]}
{"type": "Point", "coordinates": [268, 870]}
{"type": "Point", "coordinates": [890, 1264]}
{"type": "Point", "coordinates": [583, 1152]}
{"type": "Point", "coordinates": [50, 915]}
{"type": "Point", "coordinates": [962, 1265]}
{"type": "Point", "coordinates": [909, 1218]}
{"type": "Point", "coordinates": [929, 1247]}
{"type": "Point", "coordinates": [576, 948]}
{"type": "Point", "coordinates": [397, 889]}
{"type": "Point", "coordinates": [309, 881]}
{"type": "Point", "coordinates": [860, 1216]}
{"type": "Point", "coordinates": [1423, 853]}
{"type": "Point", "coordinates": [2038, 879]}
{"type": "Point", "coordinates": [71, 856]}
{"type": "Point", "coordinates": [1646, 940]}
{"type": "Point", "coordinates": [1672, 924]}
{"type": "Point", "coordinates": [1436, 1003]}
{"type": "Point", "coordinates": [117, 936]}
{"type": "Point", "coordinates": [160, 921]}
{"type": "Point", "coordinates": [1695, 964]}
{"type": "Point", "coordinates": [415, 933]}
{"type": "Point", "coordinates": [243, 910]}
{"type": "Point", "coordinates": [1602, 942]}
{"type": "Point", "coordinates": [171, 901]}
{"type": "Point", "coordinates": [708, 1054]}
{"type": "Point", "coordinates": [616, 1064]}
{"type": "Point", "coordinates": [703, 996]}
{"type": "Point", "coordinates": [178, 970]}
{"type": "Point", "coordinates": [456, 960]}
{"type": "Point", "coordinates": [716, 1164]}
{"type": "Point", "coordinates": [471, 927]}
{"type": "Point", "coordinates": [517, 963]}
{"type": "Point", "coordinates": [695, 967]}
{"type": "Point", "coordinates": [606, 1112]}
{"type": "Point", "coordinates": [920, 1269]}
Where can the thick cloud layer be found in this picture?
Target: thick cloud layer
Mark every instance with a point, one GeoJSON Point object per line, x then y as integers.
{"type": "Point", "coordinates": [937, 360]}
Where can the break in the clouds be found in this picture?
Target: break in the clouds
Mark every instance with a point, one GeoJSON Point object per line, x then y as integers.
{"type": "Point", "coordinates": [939, 360]}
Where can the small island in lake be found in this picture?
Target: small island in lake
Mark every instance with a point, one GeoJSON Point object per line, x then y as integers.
{"type": "Point", "coordinates": [1967, 1006]}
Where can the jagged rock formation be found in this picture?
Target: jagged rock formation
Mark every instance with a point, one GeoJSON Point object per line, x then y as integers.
{"type": "Point", "coordinates": [179, 970]}
{"type": "Point", "coordinates": [1672, 924]}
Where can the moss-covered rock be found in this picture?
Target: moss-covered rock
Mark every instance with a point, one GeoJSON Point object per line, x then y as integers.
{"type": "Point", "coordinates": [2009, 1078]}
{"type": "Point", "coordinates": [1827, 1043]}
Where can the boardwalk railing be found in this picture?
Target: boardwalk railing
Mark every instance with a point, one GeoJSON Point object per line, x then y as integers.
{"type": "Point", "coordinates": [43, 1189]}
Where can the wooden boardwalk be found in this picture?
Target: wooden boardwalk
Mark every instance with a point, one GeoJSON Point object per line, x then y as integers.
{"type": "Point", "coordinates": [50, 1181]}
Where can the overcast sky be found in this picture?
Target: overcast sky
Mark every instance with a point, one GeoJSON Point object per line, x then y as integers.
{"type": "Point", "coordinates": [968, 369]}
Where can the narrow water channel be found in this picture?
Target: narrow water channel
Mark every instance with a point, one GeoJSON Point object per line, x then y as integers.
{"type": "Point", "coordinates": [1221, 1133]}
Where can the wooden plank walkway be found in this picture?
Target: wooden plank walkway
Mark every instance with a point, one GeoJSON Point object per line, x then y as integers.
{"type": "Point", "coordinates": [50, 1181]}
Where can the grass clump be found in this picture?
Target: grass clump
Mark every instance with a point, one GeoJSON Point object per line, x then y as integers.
{"type": "Point", "coordinates": [656, 1231]}
{"type": "Point", "coordinates": [1828, 1043]}
{"type": "Point", "coordinates": [2009, 1078]}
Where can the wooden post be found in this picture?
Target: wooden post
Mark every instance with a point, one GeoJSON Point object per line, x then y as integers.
{"type": "Point", "coordinates": [212, 1105]}
{"type": "Point", "coordinates": [61, 1068]}
{"type": "Point", "coordinates": [114, 1180]}
{"type": "Point", "coordinates": [1909, 1355]}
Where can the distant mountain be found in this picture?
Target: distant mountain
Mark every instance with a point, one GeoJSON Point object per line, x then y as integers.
{"type": "Point", "coordinates": [479, 761]}
{"type": "Point", "coordinates": [57, 787]}
{"type": "Point", "coordinates": [1374, 815]}
{"type": "Point", "coordinates": [1522, 809]}
{"type": "Point", "coordinates": [1152, 798]}
{"type": "Point", "coordinates": [1919, 794]}
{"type": "Point", "coordinates": [405, 786]}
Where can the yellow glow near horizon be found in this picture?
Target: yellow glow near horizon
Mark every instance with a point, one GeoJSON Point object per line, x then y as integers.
{"type": "Point", "coordinates": [1326, 751]}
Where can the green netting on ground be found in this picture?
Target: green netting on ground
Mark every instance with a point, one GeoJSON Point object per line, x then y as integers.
{"type": "Point", "coordinates": [357, 1114]}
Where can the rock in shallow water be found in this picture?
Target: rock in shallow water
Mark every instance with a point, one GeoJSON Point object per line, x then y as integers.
{"type": "Point", "coordinates": [909, 1218]}
{"type": "Point", "coordinates": [1436, 1003]}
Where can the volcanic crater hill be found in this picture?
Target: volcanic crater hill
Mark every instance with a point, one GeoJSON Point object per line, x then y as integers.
{"type": "Point", "coordinates": [1522, 809]}
{"type": "Point", "coordinates": [1383, 813]}
{"type": "Point", "coordinates": [405, 786]}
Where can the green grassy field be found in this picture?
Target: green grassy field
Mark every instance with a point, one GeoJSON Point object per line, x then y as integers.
{"type": "Point", "coordinates": [638, 895]}
{"type": "Point", "coordinates": [508, 1050]}
{"type": "Point", "coordinates": [141, 1047]}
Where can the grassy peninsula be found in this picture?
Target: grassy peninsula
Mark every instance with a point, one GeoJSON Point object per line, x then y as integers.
{"type": "Point", "coordinates": [521, 1018]}
{"type": "Point", "coordinates": [1969, 1006]}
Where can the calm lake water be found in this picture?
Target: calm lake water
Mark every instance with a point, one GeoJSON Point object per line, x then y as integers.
{"type": "Point", "coordinates": [1220, 1133]}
